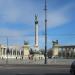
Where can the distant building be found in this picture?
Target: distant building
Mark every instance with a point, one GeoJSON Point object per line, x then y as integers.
{"type": "Point", "coordinates": [66, 51]}
{"type": "Point", "coordinates": [14, 51]}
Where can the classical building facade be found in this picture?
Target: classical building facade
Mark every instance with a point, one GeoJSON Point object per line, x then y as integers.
{"type": "Point", "coordinates": [14, 51]}
{"type": "Point", "coordinates": [24, 51]}
{"type": "Point", "coordinates": [66, 51]}
{"type": "Point", "coordinates": [17, 52]}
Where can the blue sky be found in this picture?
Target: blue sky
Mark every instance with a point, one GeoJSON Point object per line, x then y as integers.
{"type": "Point", "coordinates": [17, 21]}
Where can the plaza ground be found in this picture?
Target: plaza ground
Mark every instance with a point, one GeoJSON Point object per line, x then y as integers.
{"type": "Point", "coordinates": [32, 67]}
{"type": "Point", "coordinates": [34, 70]}
{"type": "Point", "coordinates": [26, 61]}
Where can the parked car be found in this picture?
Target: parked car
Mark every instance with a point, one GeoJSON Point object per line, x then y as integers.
{"type": "Point", "coordinates": [72, 69]}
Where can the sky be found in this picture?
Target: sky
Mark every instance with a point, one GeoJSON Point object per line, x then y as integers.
{"type": "Point", "coordinates": [17, 21]}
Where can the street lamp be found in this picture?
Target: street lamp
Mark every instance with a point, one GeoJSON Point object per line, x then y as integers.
{"type": "Point", "coordinates": [45, 32]}
{"type": "Point", "coordinates": [7, 52]}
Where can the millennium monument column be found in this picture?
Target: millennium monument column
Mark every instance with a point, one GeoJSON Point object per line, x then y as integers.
{"type": "Point", "coordinates": [36, 34]}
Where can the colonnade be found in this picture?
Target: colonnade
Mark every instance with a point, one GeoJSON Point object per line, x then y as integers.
{"type": "Point", "coordinates": [67, 51]}
{"type": "Point", "coordinates": [11, 52]}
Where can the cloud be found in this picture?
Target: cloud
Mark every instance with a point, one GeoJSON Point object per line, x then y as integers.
{"type": "Point", "coordinates": [24, 11]}
{"type": "Point", "coordinates": [17, 11]}
{"type": "Point", "coordinates": [56, 19]}
{"type": "Point", "coordinates": [59, 16]}
{"type": "Point", "coordinates": [14, 36]}
{"type": "Point", "coordinates": [7, 32]}
{"type": "Point", "coordinates": [18, 37]}
{"type": "Point", "coordinates": [12, 11]}
{"type": "Point", "coordinates": [14, 33]}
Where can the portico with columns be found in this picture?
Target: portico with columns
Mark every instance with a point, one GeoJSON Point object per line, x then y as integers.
{"type": "Point", "coordinates": [14, 51]}
{"type": "Point", "coordinates": [67, 51]}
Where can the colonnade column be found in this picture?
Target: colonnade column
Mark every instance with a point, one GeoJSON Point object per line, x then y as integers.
{"type": "Point", "coordinates": [5, 52]}
{"type": "Point", "coordinates": [20, 52]}
{"type": "Point", "coordinates": [16, 53]}
{"type": "Point", "coordinates": [12, 52]}
{"type": "Point", "coordinates": [2, 52]}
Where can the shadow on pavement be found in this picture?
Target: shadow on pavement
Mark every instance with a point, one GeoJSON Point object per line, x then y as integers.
{"type": "Point", "coordinates": [47, 74]}
{"type": "Point", "coordinates": [57, 74]}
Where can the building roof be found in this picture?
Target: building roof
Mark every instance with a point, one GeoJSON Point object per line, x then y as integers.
{"type": "Point", "coordinates": [66, 46]}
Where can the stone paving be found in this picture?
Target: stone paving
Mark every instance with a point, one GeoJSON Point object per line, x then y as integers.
{"type": "Point", "coordinates": [49, 61]}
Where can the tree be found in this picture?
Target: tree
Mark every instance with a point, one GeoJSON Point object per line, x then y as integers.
{"type": "Point", "coordinates": [31, 51]}
{"type": "Point", "coordinates": [50, 53]}
{"type": "Point", "coordinates": [8, 51]}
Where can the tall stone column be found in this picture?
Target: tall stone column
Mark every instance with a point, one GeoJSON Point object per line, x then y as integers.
{"type": "Point", "coordinates": [36, 33]}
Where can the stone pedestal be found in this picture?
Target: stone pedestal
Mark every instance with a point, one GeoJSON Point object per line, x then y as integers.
{"type": "Point", "coordinates": [26, 49]}
{"type": "Point", "coordinates": [55, 51]}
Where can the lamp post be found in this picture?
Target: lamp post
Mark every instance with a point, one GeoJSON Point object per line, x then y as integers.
{"type": "Point", "coordinates": [45, 32]}
{"type": "Point", "coordinates": [7, 52]}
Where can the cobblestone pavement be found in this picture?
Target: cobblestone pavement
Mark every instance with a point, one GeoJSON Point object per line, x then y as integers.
{"type": "Point", "coordinates": [49, 61]}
